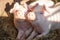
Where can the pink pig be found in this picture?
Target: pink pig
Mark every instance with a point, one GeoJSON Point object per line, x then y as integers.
{"type": "Point", "coordinates": [23, 27]}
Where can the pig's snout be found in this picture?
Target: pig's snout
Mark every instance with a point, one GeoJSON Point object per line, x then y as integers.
{"type": "Point", "coordinates": [31, 16]}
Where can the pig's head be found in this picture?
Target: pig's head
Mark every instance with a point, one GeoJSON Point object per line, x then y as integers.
{"type": "Point", "coordinates": [18, 11]}
{"type": "Point", "coordinates": [31, 16]}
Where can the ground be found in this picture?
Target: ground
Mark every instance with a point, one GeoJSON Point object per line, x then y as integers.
{"type": "Point", "coordinates": [7, 29]}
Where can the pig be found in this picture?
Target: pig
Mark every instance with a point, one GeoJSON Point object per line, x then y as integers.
{"type": "Point", "coordinates": [24, 28]}
{"type": "Point", "coordinates": [50, 17]}
{"type": "Point", "coordinates": [47, 20]}
{"type": "Point", "coordinates": [39, 22]}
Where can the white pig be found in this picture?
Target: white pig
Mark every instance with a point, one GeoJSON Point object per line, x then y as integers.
{"type": "Point", "coordinates": [23, 27]}
{"type": "Point", "coordinates": [47, 21]}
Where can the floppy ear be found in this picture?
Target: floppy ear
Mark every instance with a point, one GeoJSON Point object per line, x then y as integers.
{"type": "Point", "coordinates": [16, 7]}
{"type": "Point", "coordinates": [12, 10]}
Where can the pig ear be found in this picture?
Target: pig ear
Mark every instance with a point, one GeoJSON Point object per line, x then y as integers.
{"type": "Point", "coordinates": [12, 10]}
{"type": "Point", "coordinates": [16, 5]}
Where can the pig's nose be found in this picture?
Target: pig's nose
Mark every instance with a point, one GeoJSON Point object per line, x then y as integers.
{"type": "Point", "coordinates": [31, 16]}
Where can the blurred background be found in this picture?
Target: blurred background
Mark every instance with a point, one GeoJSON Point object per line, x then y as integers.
{"type": "Point", "coordinates": [7, 29]}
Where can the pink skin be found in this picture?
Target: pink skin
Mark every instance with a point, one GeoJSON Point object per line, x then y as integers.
{"type": "Point", "coordinates": [46, 21]}
{"type": "Point", "coordinates": [39, 22]}
{"type": "Point", "coordinates": [41, 25]}
{"type": "Point", "coordinates": [23, 27]}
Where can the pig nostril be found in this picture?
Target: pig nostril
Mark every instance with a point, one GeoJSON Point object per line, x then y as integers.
{"type": "Point", "coordinates": [16, 10]}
